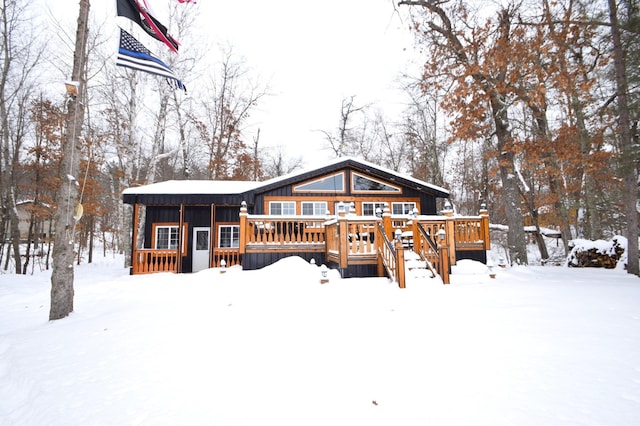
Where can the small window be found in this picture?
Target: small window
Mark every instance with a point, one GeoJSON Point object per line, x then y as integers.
{"type": "Point", "coordinates": [316, 208]}
{"type": "Point", "coordinates": [402, 208]}
{"type": "Point", "coordinates": [229, 236]}
{"type": "Point", "coordinates": [202, 240]}
{"type": "Point", "coordinates": [345, 205]}
{"type": "Point", "coordinates": [282, 208]}
{"type": "Point", "coordinates": [369, 208]}
{"type": "Point", "coordinates": [166, 237]}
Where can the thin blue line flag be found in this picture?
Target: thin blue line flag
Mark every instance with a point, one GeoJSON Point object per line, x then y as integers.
{"type": "Point", "coordinates": [132, 54]}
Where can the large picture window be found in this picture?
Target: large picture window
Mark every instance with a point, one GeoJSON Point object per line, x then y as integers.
{"type": "Point", "coordinates": [316, 208]}
{"type": "Point", "coordinates": [229, 236]}
{"type": "Point", "coordinates": [282, 208]}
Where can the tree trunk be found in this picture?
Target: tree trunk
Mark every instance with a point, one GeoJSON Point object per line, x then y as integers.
{"type": "Point", "coordinates": [91, 236]}
{"type": "Point", "coordinates": [628, 160]}
{"type": "Point", "coordinates": [67, 194]}
{"type": "Point", "coordinates": [516, 240]}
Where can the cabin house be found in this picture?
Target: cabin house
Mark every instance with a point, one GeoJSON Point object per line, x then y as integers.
{"type": "Point", "coordinates": [33, 219]}
{"type": "Point", "coordinates": [349, 214]}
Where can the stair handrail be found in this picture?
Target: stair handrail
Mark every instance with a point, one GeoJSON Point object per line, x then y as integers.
{"type": "Point", "coordinates": [424, 235]}
{"type": "Point", "coordinates": [391, 258]}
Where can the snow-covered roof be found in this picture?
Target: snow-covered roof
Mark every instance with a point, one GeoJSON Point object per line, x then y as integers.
{"type": "Point", "coordinates": [194, 187]}
{"type": "Point", "coordinates": [238, 187]}
{"type": "Point", "coordinates": [364, 163]}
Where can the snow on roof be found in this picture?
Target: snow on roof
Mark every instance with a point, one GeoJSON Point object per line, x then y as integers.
{"type": "Point", "coordinates": [357, 160]}
{"type": "Point", "coordinates": [194, 187]}
{"type": "Point", "coordinates": [238, 187]}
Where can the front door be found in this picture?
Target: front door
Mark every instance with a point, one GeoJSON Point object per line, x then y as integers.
{"type": "Point", "coordinates": [200, 250]}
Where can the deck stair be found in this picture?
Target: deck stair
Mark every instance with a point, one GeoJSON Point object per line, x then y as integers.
{"type": "Point", "coordinates": [418, 267]}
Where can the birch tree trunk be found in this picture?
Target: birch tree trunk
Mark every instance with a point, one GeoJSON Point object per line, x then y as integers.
{"type": "Point", "coordinates": [67, 195]}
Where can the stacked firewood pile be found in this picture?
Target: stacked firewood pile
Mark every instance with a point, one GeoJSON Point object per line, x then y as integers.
{"type": "Point", "coordinates": [598, 254]}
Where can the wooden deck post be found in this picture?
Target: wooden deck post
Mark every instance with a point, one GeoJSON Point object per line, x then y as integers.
{"type": "Point", "coordinates": [484, 226]}
{"type": "Point", "coordinates": [443, 250]}
{"type": "Point", "coordinates": [134, 238]}
{"type": "Point", "coordinates": [181, 240]}
{"type": "Point", "coordinates": [386, 223]}
{"type": "Point", "coordinates": [212, 245]}
{"type": "Point", "coordinates": [400, 269]}
{"type": "Point", "coordinates": [243, 227]}
{"type": "Point", "coordinates": [450, 240]}
{"type": "Point", "coordinates": [343, 235]}
{"type": "Point", "coordinates": [379, 241]}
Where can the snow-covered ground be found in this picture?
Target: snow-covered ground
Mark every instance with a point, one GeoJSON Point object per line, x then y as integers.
{"type": "Point", "coordinates": [534, 346]}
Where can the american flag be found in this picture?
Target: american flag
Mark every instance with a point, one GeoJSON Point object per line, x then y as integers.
{"type": "Point", "coordinates": [132, 54]}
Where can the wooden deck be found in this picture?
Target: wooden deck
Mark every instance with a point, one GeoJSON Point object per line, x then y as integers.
{"type": "Point", "coordinates": [344, 242]}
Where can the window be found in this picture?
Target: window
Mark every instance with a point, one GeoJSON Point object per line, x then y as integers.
{"type": "Point", "coordinates": [281, 208]}
{"type": "Point", "coordinates": [369, 208]}
{"type": "Point", "coordinates": [166, 237]}
{"type": "Point", "coordinates": [202, 240]}
{"type": "Point", "coordinates": [361, 183]}
{"type": "Point", "coordinates": [316, 208]}
{"type": "Point", "coordinates": [229, 236]}
{"type": "Point", "coordinates": [402, 208]}
{"type": "Point", "coordinates": [333, 183]}
{"type": "Point", "coordinates": [346, 206]}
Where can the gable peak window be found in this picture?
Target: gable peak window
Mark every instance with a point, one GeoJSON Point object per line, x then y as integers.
{"type": "Point", "coordinates": [362, 183]}
{"type": "Point", "coordinates": [331, 183]}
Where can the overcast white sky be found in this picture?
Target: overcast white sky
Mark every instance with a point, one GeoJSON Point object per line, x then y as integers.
{"type": "Point", "coordinates": [313, 54]}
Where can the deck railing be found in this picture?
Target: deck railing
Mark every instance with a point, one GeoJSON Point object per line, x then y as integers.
{"type": "Point", "coordinates": [348, 239]}
{"type": "Point", "coordinates": [147, 261]}
{"type": "Point", "coordinates": [278, 232]}
{"type": "Point", "coordinates": [391, 257]}
{"type": "Point", "coordinates": [231, 257]}
{"type": "Point", "coordinates": [427, 248]}
{"type": "Point", "coordinates": [351, 237]}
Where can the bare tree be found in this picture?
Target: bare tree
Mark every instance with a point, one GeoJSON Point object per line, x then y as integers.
{"type": "Point", "coordinates": [20, 55]}
{"type": "Point", "coordinates": [275, 163]}
{"type": "Point", "coordinates": [344, 141]}
{"type": "Point", "coordinates": [427, 150]}
{"type": "Point", "coordinates": [229, 100]}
